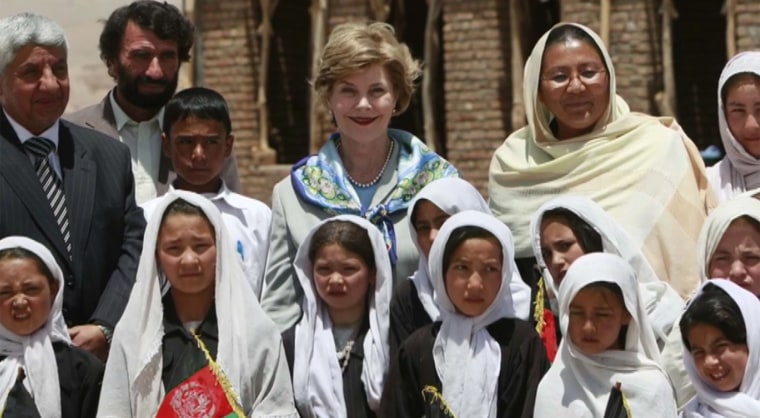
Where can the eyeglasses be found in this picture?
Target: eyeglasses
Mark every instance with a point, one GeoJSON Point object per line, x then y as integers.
{"type": "Point", "coordinates": [561, 79]}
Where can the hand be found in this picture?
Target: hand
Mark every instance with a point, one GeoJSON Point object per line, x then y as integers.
{"type": "Point", "coordinates": [90, 338]}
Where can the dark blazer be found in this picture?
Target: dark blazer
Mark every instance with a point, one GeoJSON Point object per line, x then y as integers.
{"type": "Point", "coordinates": [107, 226]}
{"type": "Point", "coordinates": [100, 117]}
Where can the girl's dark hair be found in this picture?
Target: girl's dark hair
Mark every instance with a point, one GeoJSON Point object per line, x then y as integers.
{"type": "Point", "coordinates": [734, 80]}
{"type": "Point", "coordinates": [588, 238]}
{"type": "Point", "coordinates": [460, 235]}
{"type": "Point", "coordinates": [714, 307]}
{"type": "Point", "coordinates": [616, 292]}
{"type": "Point", "coordinates": [565, 33]}
{"type": "Point", "coordinates": [183, 207]}
{"type": "Point", "coordinates": [18, 253]}
{"type": "Point", "coordinates": [350, 236]}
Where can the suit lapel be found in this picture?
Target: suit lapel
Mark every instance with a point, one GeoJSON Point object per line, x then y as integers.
{"type": "Point", "coordinates": [20, 175]}
{"type": "Point", "coordinates": [78, 169]}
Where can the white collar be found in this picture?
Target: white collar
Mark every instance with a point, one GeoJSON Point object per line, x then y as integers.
{"type": "Point", "coordinates": [24, 135]}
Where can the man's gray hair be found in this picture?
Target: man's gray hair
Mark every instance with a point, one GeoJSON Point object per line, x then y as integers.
{"type": "Point", "coordinates": [27, 28]}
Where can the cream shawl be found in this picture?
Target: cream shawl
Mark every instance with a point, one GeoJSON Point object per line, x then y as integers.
{"type": "Point", "coordinates": [467, 359]}
{"type": "Point", "coordinates": [662, 304]}
{"type": "Point", "coordinates": [451, 195]}
{"type": "Point", "coordinates": [250, 349]}
{"type": "Point", "coordinates": [642, 170]}
{"type": "Point", "coordinates": [745, 402]}
{"type": "Point", "coordinates": [317, 376]}
{"type": "Point", "coordinates": [35, 352]}
{"type": "Point", "coordinates": [738, 171]}
{"type": "Point", "coordinates": [579, 385]}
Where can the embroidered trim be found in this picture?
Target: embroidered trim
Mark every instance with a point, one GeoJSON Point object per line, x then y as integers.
{"type": "Point", "coordinates": [538, 311]}
{"type": "Point", "coordinates": [227, 388]}
{"type": "Point", "coordinates": [436, 398]}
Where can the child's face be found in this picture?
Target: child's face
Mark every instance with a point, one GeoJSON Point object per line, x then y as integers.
{"type": "Point", "coordinates": [186, 252]}
{"type": "Point", "coordinates": [737, 256]}
{"type": "Point", "coordinates": [342, 279]}
{"type": "Point", "coordinates": [742, 109]}
{"type": "Point", "coordinates": [198, 148]}
{"type": "Point", "coordinates": [26, 296]}
{"type": "Point", "coordinates": [428, 219]}
{"type": "Point", "coordinates": [473, 278]}
{"type": "Point", "coordinates": [719, 362]}
{"type": "Point", "coordinates": [559, 248]}
{"type": "Point", "coordinates": [596, 317]}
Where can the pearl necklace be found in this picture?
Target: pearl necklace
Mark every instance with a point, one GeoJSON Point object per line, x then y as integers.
{"type": "Point", "coordinates": [377, 177]}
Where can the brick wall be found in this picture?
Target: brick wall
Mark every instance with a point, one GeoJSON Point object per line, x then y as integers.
{"type": "Point", "coordinates": [747, 25]}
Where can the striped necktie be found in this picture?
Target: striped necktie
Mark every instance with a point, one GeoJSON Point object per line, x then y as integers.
{"type": "Point", "coordinates": [40, 149]}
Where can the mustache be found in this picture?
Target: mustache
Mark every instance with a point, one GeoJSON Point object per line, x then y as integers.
{"type": "Point", "coordinates": [157, 81]}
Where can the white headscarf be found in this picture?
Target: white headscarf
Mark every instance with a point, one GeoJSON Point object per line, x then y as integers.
{"type": "Point", "coordinates": [716, 225]}
{"type": "Point", "coordinates": [580, 383]}
{"type": "Point", "coordinates": [744, 403]}
{"type": "Point", "coordinates": [663, 304]}
{"type": "Point", "coordinates": [317, 376]}
{"type": "Point", "coordinates": [35, 352]}
{"type": "Point", "coordinates": [451, 195]}
{"type": "Point", "coordinates": [467, 359]}
{"type": "Point", "coordinates": [250, 350]}
{"type": "Point", "coordinates": [739, 171]}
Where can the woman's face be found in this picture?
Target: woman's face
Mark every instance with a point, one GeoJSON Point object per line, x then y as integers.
{"type": "Point", "coordinates": [186, 252]}
{"type": "Point", "coordinates": [737, 256]}
{"type": "Point", "coordinates": [596, 317]}
{"type": "Point", "coordinates": [473, 277]}
{"type": "Point", "coordinates": [342, 280]}
{"type": "Point", "coordinates": [559, 247]}
{"type": "Point", "coordinates": [26, 296]}
{"type": "Point", "coordinates": [719, 362]}
{"type": "Point", "coordinates": [742, 109]}
{"type": "Point", "coordinates": [363, 104]}
{"type": "Point", "coordinates": [574, 86]}
{"type": "Point", "coordinates": [428, 219]}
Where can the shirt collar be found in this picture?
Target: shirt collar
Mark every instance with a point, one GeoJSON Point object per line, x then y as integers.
{"type": "Point", "coordinates": [24, 135]}
{"type": "Point", "coordinates": [121, 118]}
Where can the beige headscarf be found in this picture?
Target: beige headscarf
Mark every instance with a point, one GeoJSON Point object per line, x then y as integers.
{"type": "Point", "coordinates": [642, 170]}
{"type": "Point", "coordinates": [35, 352]}
{"type": "Point", "coordinates": [250, 352]}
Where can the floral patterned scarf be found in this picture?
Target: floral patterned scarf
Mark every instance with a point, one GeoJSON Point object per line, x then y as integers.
{"type": "Point", "coordinates": [321, 181]}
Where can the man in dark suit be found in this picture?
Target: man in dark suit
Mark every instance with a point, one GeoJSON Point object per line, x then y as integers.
{"type": "Point", "coordinates": [66, 186]}
{"type": "Point", "coordinates": [143, 45]}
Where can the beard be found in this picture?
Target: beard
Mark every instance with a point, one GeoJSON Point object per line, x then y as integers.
{"type": "Point", "coordinates": [129, 87]}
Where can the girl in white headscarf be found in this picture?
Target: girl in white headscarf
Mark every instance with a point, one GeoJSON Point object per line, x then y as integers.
{"type": "Point", "coordinates": [721, 336]}
{"type": "Point", "coordinates": [739, 125]}
{"type": "Point", "coordinates": [41, 373]}
{"type": "Point", "coordinates": [581, 217]}
{"type": "Point", "coordinates": [193, 340]}
{"type": "Point", "coordinates": [338, 350]}
{"type": "Point", "coordinates": [607, 340]}
{"type": "Point", "coordinates": [728, 248]}
{"type": "Point", "coordinates": [479, 359]}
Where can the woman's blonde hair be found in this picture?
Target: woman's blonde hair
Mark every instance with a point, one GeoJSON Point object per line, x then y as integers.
{"type": "Point", "coordinates": [354, 46]}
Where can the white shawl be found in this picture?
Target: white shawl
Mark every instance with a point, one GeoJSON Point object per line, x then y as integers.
{"type": "Point", "coordinates": [35, 352]}
{"type": "Point", "coordinates": [745, 403]}
{"type": "Point", "coordinates": [662, 304]}
{"type": "Point", "coordinates": [738, 171]}
{"type": "Point", "coordinates": [579, 385]}
{"type": "Point", "coordinates": [317, 376]}
{"type": "Point", "coordinates": [467, 359]}
{"type": "Point", "coordinates": [644, 171]}
{"type": "Point", "coordinates": [250, 349]}
{"type": "Point", "coordinates": [451, 195]}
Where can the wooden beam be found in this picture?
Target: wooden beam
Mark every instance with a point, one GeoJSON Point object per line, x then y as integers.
{"type": "Point", "coordinates": [730, 28]}
{"type": "Point", "coordinates": [380, 10]}
{"type": "Point", "coordinates": [265, 31]}
{"type": "Point", "coordinates": [667, 104]}
{"type": "Point", "coordinates": [318, 29]}
{"type": "Point", "coordinates": [604, 25]}
{"type": "Point", "coordinates": [430, 76]}
{"type": "Point", "coordinates": [517, 63]}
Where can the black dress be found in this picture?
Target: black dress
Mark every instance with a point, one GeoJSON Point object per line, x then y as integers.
{"type": "Point", "coordinates": [406, 314]}
{"type": "Point", "coordinates": [407, 393]}
{"type": "Point", "coordinates": [80, 375]}
{"type": "Point", "coordinates": [353, 388]}
{"type": "Point", "coordinates": [181, 355]}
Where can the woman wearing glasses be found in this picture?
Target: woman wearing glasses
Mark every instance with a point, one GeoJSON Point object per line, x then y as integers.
{"type": "Point", "coordinates": [583, 139]}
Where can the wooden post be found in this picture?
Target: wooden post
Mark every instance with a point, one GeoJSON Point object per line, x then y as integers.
{"type": "Point", "coordinates": [604, 25]}
{"type": "Point", "coordinates": [668, 102]}
{"type": "Point", "coordinates": [517, 62]}
{"type": "Point", "coordinates": [318, 25]}
{"type": "Point", "coordinates": [380, 9]}
{"type": "Point", "coordinates": [430, 73]}
{"type": "Point", "coordinates": [265, 31]}
{"type": "Point", "coordinates": [730, 28]}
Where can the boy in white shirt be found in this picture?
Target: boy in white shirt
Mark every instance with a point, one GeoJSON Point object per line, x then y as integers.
{"type": "Point", "coordinates": [198, 138]}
